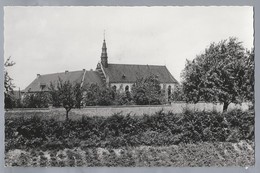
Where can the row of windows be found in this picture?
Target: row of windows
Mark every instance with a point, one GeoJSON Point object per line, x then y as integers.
{"type": "Point", "coordinates": [127, 89]}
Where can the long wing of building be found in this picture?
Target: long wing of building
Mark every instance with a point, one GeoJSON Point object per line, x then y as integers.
{"type": "Point", "coordinates": [119, 75]}
{"type": "Point", "coordinates": [42, 82]}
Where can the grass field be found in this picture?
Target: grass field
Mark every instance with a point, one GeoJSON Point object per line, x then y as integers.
{"type": "Point", "coordinates": [59, 113]}
{"type": "Point", "coordinates": [183, 155]}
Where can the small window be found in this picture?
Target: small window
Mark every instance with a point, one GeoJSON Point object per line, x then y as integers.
{"type": "Point", "coordinates": [42, 86]}
{"type": "Point", "coordinates": [126, 88]}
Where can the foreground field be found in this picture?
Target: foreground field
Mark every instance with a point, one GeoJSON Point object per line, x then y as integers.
{"type": "Point", "coordinates": [182, 155]}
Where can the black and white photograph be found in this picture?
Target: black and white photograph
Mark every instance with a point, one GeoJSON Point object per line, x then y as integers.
{"type": "Point", "coordinates": [117, 86]}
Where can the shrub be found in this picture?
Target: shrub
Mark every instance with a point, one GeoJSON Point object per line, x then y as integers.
{"type": "Point", "coordinates": [97, 95]}
{"type": "Point", "coordinates": [36, 100]}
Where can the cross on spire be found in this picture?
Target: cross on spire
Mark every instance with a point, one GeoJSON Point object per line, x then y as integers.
{"type": "Point", "coordinates": [104, 34]}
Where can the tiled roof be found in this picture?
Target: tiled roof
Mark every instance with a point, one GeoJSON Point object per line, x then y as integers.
{"type": "Point", "coordinates": [92, 77]}
{"type": "Point", "coordinates": [124, 73]}
{"type": "Point", "coordinates": [73, 77]}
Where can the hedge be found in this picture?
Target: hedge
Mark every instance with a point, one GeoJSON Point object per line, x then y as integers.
{"type": "Point", "coordinates": [159, 129]}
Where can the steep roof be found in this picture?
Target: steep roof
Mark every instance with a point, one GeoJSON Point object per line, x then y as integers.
{"type": "Point", "coordinates": [73, 77]}
{"type": "Point", "coordinates": [124, 73]}
{"type": "Point", "coordinates": [92, 77]}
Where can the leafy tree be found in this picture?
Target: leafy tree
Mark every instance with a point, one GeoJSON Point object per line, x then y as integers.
{"type": "Point", "coordinates": [123, 98]}
{"type": "Point", "coordinates": [66, 95]}
{"type": "Point", "coordinates": [36, 100]}
{"type": "Point", "coordinates": [98, 95]}
{"type": "Point", "coordinates": [223, 73]}
{"type": "Point", "coordinates": [105, 96]}
{"type": "Point", "coordinates": [78, 92]}
{"type": "Point", "coordinates": [8, 84]}
{"type": "Point", "coordinates": [90, 94]}
{"type": "Point", "coordinates": [56, 102]}
{"type": "Point", "coordinates": [178, 94]}
{"type": "Point", "coordinates": [249, 68]}
{"type": "Point", "coordinates": [147, 91]}
{"type": "Point", "coordinates": [57, 97]}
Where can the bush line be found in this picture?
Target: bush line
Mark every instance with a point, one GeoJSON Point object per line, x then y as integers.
{"type": "Point", "coordinates": [159, 129]}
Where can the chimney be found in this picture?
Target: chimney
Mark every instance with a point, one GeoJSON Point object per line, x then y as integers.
{"type": "Point", "coordinates": [38, 75]}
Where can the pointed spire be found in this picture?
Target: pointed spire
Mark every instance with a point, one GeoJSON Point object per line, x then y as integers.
{"type": "Point", "coordinates": [104, 53]}
{"type": "Point", "coordinates": [104, 47]}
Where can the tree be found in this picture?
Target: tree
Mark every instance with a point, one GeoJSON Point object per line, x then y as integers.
{"type": "Point", "coordinates": [8, 84]}
{"type": "Point", "coordinates": [66, 93]}
{"type": "Point", "coordinates": [178, 94]}
{"type": "Point", "coordinates": [147, 91]}
{"type": "Point", "coordinates": [123, 98]}
{"type": "Point", "coordinates": [78, 92]}
{"type": "Point", "coordinates": [90, 94]}
{"type": "Point", "coordinates": [105, 96]}
{"type": "Point", "coordinates": [223, 73]}
{"type": "Point", "coordinates": [56, 102]}
{"type": "Point", "coordinates": [36, 100]}
{"type": "Point", "coordinates": [98, 95]}
{"type": "Point", "coordinates": [248, 85]}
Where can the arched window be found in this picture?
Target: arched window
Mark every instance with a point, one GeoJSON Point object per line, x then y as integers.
{"type": "Point", "coordinates": [114, 88]}
{"type": "Point", "coordinates": [126, 88]}
{"type": "Point", "coordinates": [114, 92]}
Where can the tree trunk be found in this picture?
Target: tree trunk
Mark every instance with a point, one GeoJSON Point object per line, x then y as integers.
{"type": "Point", "coordinates": [225, 106]}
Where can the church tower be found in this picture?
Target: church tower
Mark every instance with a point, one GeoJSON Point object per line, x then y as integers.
{"type": "Point", "coordinates": [104, 55]}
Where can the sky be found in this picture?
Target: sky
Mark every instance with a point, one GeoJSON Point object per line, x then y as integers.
{"type": "Point", "coordinates": [42, 40]}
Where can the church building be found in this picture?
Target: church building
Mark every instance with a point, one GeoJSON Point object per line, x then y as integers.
{"type": "Point", "coordinates": [119, 76]}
